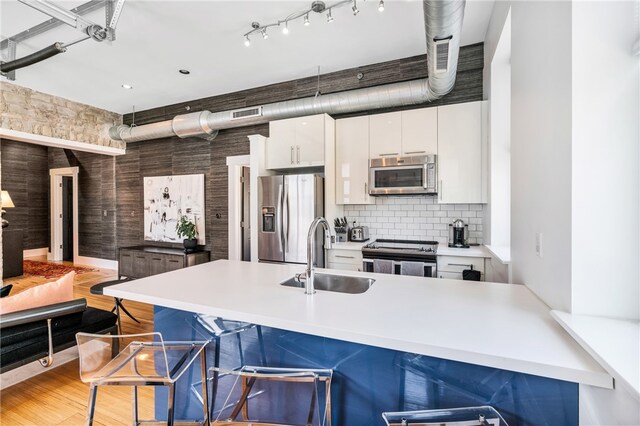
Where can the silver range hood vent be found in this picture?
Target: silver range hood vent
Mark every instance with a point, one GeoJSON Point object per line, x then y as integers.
{"type": "Point", "coordinates": [443, 25]}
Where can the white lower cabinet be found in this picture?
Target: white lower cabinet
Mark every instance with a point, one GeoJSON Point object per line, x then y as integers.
{"type": "Point", "coordinates": [451, 267]}
{"type": "Point", "coordinates": [346, 260]}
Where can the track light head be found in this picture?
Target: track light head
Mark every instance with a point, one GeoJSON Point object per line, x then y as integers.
{"type": "Point", "coordinates": [285, 30]}
{"type": "Point", "coordinates": [381, 6]}
{"type": "Point", "coordinates": [247, 41]}
{"type": "Point", "coordinates": [354, 8]}
{"type": "Point", "coordinates": [306, 20]}
{"type": "Point", "coordinates": [329, 17]}
{"type": "Point", "coordinates": [264, 34]}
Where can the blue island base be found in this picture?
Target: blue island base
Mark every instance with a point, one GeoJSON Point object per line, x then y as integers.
{"type": "Point", "coordinates": [369, 380]}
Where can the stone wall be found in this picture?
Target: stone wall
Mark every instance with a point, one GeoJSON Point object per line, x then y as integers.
{"type": "Point", "coordinates": [26, 110]}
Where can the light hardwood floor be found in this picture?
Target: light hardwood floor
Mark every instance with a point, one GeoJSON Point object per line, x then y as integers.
{"type": "Point", "coordinates": [57, 396]}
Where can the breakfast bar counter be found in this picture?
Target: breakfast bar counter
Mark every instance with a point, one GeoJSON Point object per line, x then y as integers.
{"type": "Point", "coordinates": [495, 327]}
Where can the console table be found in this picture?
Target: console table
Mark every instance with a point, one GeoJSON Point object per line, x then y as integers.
{"type": "Point", "coordinates": [143, 261]}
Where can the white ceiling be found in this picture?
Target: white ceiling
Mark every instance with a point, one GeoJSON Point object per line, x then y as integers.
{"type": "Point", "coordinates": [156, 38]}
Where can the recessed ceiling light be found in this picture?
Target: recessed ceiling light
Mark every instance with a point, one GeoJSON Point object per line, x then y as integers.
{"type": "Point", "coordinates": [185, 72]}
{"type": "Point", "coordinates": [127, 86]}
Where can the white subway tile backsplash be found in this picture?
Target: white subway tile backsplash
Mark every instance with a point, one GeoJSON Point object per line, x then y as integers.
{"type": "Point", "coordinates": [416, 217]}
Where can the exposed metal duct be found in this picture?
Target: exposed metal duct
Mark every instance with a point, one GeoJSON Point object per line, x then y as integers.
{"type": "Point", "coordinates": [443, 25]}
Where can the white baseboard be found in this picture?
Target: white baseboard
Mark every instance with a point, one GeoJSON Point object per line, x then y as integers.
{"type": "Point", "coordinates": [97, 262]}
{"type": "Point", "coordinates": [34, 368]}
{"type": "Point", "coordinates": [35, 252]}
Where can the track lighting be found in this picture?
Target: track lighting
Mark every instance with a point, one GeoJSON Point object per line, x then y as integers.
{"type": "Point", "coordinates": [317, 6]}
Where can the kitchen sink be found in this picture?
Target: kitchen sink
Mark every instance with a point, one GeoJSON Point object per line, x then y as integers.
{"type": "Point", "coordinates": [331, 282]}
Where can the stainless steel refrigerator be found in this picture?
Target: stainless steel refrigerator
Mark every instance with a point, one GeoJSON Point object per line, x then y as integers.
{"type": "Point", "coordinates": [288, 204]}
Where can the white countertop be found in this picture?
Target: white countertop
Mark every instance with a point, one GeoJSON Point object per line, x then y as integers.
{"type": "Point", "coordinates": [614, 343]}
{"type": "Point", "coordinates": [473, 251]}
{"type": "Point", "coordinates": [488, 324]}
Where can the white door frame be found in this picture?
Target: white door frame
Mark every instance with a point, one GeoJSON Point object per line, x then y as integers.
{"type": "Point", "coordinates": [235, 165]}
{"type": "Point", "coordinates": [55, 208]}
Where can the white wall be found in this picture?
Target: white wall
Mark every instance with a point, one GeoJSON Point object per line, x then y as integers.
{"type": "Point", "coordinates": [606, 140]}
{"type": "Point", "coordinates": [499, 206]}
{"type": "Point", "coordinates": [541, 148]}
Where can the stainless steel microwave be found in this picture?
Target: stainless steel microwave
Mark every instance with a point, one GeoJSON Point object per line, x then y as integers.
{"type": "Point", "coordinates": [403, 175]}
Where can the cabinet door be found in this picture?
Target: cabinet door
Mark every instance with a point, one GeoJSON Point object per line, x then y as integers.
{"type": "Point", "coordinates": [141, 265]}
{"type": "Point", "coordinates": [460, 153]}
{"type": "Point", "coordinates": [280, 149]}
{"type": "Point", "coordinates": [309, 144]}
{"type": "Point", "coordinates": [156, 264]}
{"type": "Point", "coordinates": [174, 262]}
{"type": "Point", "coordinates": [126, 263]}
{"type": "Point", "coordinates": [385, 135]}
{"type": "Point", "coordinates": [352, 161]}
{"type": "Point", "coordinates": [450, 275]}
{"type": "Point", "coordinates": [420, 131]}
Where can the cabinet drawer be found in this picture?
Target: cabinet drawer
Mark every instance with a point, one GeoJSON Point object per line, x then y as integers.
{"type": "Point", "coordinates": [459, 263]}
{"type": "Point", "coordinates": [156, 264]}
{"type": "Point", "coordinates": [346, 256]}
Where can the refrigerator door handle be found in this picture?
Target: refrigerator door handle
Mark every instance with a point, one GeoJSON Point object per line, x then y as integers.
{"type": "Point", "coordinates": [279, 218]}
{"type": "Point", "coordinates": [286, 221]}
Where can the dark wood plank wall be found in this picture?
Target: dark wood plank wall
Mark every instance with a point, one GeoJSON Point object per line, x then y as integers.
{"type": "Point", "coordinates": [193, 156]}
{"type": "Point", "coordinates": [25, 174]}
{"type": "Point", "coordinates": [96, 200]}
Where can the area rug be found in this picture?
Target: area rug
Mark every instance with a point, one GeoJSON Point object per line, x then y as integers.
{"type": "Point", "coordinates": [51, 270]}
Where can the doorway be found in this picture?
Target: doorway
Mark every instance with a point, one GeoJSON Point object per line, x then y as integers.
{"type": "Point", "coordinates": [67, 218]}
{"type": "Point", "coordinates": [64, 214]}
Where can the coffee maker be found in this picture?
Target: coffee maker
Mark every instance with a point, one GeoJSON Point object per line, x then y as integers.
{"type": "Point", "coordinates": [458, 234]}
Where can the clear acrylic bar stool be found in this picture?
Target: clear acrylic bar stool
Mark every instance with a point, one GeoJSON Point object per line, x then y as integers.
{"type": "Point", "coordinates": [147, 360]}
{"type": "Point", "coordinates": [215, 328]}
{"type": "Point", "coordinates": [468, 416]}
{"type": "Point", "coordinates": [267, 396]}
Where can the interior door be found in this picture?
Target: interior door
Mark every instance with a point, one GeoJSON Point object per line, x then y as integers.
{"type": "Point", "coordinates": [67, 218]}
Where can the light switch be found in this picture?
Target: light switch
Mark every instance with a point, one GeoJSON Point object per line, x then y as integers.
{"type": "Point", "coordinates": [539, 244]}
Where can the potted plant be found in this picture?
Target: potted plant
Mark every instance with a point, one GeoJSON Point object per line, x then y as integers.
{"type": "Point", "coordinates": [186, 229]}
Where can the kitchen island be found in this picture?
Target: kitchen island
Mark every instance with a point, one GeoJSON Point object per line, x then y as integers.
{"type": "Point", "coordinates": [406, 343]}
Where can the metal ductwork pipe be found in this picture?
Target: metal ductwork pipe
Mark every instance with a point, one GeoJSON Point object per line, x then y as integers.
{"type": "Point", "coordinates": [443, 26]}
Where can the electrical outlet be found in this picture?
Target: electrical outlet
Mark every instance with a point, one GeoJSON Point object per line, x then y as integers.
{"type": "Point", "coordinates": [539, 244]}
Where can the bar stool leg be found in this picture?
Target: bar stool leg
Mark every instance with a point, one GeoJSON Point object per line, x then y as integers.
{"type": "Point", "coordinates": [91, 406]}
{"type": "Point", "coordinates": [263, 354]}
{"type": "Point", "coordinates": [205, 393]}
{"type": "Point", "coordinates": [214, 381]}
{"type": "Point", "coordinates": [134, 391]}
{"type": "Point", "coordinates": [171, 405]}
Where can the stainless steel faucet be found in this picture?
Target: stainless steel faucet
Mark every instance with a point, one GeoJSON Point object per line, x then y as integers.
{"type": "Point", "coordinates": [309, 287]}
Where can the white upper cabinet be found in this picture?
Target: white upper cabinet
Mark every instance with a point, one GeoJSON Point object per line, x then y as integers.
{"type": "Point", "coordinates": [461, 153]}
{"type": "Point", "coordinates": [352, 161]}
{"type": "Point", "coordinates": [385, 135]}
{"type": "Point", "coordinates": [296, 142]}
{"type": "Point", "coordinates": [420, 131]}
{"type": "Point", "coordinates": [411, 132]}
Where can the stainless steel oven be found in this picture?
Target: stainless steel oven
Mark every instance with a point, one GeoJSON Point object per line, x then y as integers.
{"type": "Point", "coordinates": [395, 252]}
{"type": "Point", "coordinates": [403, 175]}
